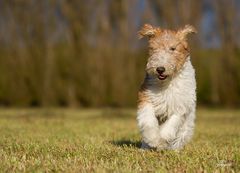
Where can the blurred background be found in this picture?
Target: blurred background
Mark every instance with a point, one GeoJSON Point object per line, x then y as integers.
{"type": "Point", "coordinates": [80, 53]}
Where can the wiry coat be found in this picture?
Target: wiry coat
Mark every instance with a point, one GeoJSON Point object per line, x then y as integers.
{"type": "Point", "coordinates": [166, 108]}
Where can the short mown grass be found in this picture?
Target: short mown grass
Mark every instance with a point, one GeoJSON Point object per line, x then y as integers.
{"type": "Point", "coordinates": [107, 140]}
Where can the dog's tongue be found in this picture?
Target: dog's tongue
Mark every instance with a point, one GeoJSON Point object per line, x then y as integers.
{"type": "Point", "coordinates": [162, 77]}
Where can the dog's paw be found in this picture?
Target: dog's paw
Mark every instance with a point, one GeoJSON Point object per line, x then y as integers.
{"type": "Point", "coordinates": [151, 137]}
{"type": "Point", "coordinates": [176, 144]}
{"type": "Point", "coordinates": [146, 146]}
{"type": "Point", "coordinates": [162, 144]}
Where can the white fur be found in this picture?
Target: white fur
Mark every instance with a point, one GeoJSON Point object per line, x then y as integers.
{"type": "Point", "coordinates": [176, 101]}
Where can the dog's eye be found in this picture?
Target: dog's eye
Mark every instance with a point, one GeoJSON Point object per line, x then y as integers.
{"type": "Point", "coordinates": [172, 48]}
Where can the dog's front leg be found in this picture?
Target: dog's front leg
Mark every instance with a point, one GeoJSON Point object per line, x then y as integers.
{"type": "Point", "coordinates": [169, 129]}
{"type": "Point", "coordinates": [148, 125]}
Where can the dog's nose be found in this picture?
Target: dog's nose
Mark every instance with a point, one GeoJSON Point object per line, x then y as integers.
{"type": "Point", "coordinates": [160, 70]}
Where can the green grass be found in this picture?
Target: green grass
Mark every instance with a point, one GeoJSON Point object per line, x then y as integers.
{"type": "Point", "coordinates": [60, 140]}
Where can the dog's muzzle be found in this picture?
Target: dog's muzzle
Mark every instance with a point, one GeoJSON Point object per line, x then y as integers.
{"type": "Point", "coordinates": [161, 75]}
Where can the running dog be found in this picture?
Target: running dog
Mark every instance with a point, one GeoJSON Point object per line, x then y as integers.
{"type": "Point", "coordinates": [167, 98]}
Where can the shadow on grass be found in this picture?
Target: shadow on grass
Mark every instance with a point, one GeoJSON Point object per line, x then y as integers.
{"type": "Point", "coordinates": [126, 143]}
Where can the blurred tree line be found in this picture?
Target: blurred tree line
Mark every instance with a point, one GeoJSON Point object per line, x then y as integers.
{"type": "Point", "coordinates": [86, 53]}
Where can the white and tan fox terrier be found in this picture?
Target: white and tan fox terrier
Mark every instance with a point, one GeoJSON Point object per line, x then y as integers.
{"type": "Point", "coordinates": [167, 98]}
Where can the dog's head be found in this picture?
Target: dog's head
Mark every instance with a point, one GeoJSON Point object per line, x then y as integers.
{"type": "Point", "coordinates": [168, 50]}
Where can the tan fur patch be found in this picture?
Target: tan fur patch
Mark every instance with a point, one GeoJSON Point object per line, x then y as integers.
{"type": "Point", "coordinates": [148, 30]}
{"type": "Point", "coordinates": [142, 97]}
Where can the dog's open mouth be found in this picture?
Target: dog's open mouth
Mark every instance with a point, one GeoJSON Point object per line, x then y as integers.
{"type": "Point", "coordinates": [162, 77]}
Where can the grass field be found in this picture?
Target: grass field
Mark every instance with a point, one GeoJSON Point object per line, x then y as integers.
{"type": "Point", "coordinates": [64, 140]}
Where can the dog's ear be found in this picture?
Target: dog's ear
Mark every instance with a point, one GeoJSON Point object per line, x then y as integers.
{"type": "Point", "coordinates": [148, 30]}
{"type": "Point", "coordinates": [188, 29]}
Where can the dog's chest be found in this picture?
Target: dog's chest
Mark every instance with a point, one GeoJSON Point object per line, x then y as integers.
{"type": "Point", "coordinates": [163, 102]}
{"type": "Point", "coordinates": [176, 99]}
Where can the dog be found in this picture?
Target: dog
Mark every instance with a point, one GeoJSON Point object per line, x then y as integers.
{"type": "Point", "coordinates": [167, 97]}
